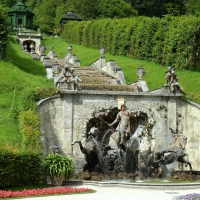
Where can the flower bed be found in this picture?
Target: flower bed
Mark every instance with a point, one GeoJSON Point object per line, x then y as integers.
{"type": "Point", "coordinates": [44, 191]}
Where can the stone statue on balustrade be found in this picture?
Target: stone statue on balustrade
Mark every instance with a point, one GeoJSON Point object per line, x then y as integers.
{"type": "Point", "coordinates": [67, 76]}
{"type": "Point", "coordinates": [172, 80]}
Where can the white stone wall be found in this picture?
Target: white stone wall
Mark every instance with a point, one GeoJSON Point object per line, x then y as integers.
{"type": "Point", "coordinates": [189, 125]}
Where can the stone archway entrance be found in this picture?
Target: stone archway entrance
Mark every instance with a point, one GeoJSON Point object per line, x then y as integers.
{"type": "Point", "coordinates": [28, 43]}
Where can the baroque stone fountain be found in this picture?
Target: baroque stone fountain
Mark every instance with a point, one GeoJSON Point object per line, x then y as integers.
{"type": "Point", "coordinates": [119, 152]}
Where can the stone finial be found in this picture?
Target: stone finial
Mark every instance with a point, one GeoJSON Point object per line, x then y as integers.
{"type": "Point", "coordinates": [140, 72]}
{"type": "Point", "coordinates": [102, 52]}
{"type": "Point", "coordinates": [51, 48]}
{"type": "Point", "coordinates": [69, 48]}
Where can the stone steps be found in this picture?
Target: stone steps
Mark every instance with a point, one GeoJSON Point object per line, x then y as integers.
{"type": "Point", "coordinates": [108, 87]}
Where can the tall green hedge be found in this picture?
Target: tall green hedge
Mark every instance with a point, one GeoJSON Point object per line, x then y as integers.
{"type": "Point", "coordinates": [3, 32]}
{"type": "Point", "coordinates": [20, 169]}
{"type": "Point", "coordinates": [167, 41]}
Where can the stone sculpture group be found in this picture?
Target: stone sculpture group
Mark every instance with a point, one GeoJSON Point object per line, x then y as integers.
{"type": "Point", "coordinates": [119, 151]}
{"type": "Point", "coordinates": [67, 75]}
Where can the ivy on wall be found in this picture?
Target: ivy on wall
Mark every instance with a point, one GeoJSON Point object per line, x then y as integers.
{"type": "Point", "coordinates": [167, 41]}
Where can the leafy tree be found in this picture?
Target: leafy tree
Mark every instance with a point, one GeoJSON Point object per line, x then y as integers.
{"type": "Point", "coordinates": [116, 9]}
{"type": "Point", "coordinates": [193, 7]}
{"type": "Point", "coordinates": [47, 14]}
{"type": "Point", "coordinates": [32, 4]}
{"type": "Point", "coordinates": [10, 3]}
{"type": "Point", "coordinates": [87, 9]}
{"type": "Point", "coordinates": [158, 8]}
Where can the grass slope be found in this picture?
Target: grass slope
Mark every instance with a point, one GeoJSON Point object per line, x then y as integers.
{"type": "Point", "coordinates": [155, 73]}
{"type": "Point", "coordinates": [18, 74]}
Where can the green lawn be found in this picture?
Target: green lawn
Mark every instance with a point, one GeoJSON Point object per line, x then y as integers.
{"type": "Point", "coordinates": [19, 73]}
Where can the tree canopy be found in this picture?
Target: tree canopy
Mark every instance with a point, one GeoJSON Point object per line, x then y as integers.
{"type": "Point", "coordinates": [48, 13]}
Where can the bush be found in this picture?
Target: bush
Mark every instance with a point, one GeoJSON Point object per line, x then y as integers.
{"type": "Point", "coordinates": [20, 169]}
{"type": "Point", "coordinates": [167, 41]}
{"type": "Point", "coordinates": [29, 119]}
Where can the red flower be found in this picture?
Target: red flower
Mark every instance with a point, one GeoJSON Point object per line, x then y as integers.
{"type": "Point", "coordinates": [44, 191]}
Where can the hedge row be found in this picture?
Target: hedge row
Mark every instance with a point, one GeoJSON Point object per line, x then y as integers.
{"type": "Point", "coordinates": [167, 41]}
{"type": "Point", "coordinates": [20, 169]}
{"type": "Point", "coordinates": [3, 32]}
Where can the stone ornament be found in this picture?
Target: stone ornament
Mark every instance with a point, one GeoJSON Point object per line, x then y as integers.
{"type": "Point", "coordinates": [140, 72]}
{"type": "Point", "coordinates": [69, 48]}
{"type": "Point", "coordinates": [102, 52]}
{"type": "Point", "coordinates": [67, 76]}
{"type": "Point", "coordinates": [172, 80]}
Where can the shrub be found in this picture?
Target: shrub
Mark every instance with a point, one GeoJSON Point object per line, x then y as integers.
{"type": "Point", "coordinates": [167, 41]}
{"type": "Point", "coordinates": [29, 119]}
{"type": "Point", "coordinates": [19, 169]}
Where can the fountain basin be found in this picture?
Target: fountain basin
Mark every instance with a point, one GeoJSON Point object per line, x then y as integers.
{"type": "Point", "coordinates": [146, 184]}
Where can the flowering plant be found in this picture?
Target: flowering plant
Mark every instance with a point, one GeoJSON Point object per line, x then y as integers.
{"type": "Point", "coordinates": [42, 192]}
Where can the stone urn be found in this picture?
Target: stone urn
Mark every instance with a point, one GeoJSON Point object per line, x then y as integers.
{"type": "Point", "coordinates": [140, 72]}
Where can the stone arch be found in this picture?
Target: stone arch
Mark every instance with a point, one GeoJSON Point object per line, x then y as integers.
{"type": "Point", "coordinates": [28, 43]}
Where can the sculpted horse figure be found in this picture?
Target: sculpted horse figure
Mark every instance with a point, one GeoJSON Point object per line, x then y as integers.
{"type": "Point", "coordinates": [92, 151]}
{"type": "Point", "coordinates": [176, 151]}
{"type": "Point", "coordinates": [155, 163]}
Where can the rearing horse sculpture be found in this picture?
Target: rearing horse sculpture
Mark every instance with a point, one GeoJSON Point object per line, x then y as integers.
{"type": "Point", "coordinates": [176, 151]}
{"type": "Point", "coordinates": [155, 163]}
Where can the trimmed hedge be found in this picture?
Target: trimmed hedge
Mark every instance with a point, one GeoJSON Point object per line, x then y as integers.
{"type": "Point", "coordinates": [3, 32]}
{"type": "Point", "coordinates": [20, 169]}
{"type": "Point", "coordinates": [168, 41]}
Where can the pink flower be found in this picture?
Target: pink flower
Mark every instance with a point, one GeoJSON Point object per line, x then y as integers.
{"type": "Point", "coordinates": [44, 191]}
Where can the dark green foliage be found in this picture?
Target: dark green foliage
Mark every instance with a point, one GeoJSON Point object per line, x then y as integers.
{"type": "Point", "coordinates": [116, 9]}
{"type": "Point", "coordinates": [193, 7]}
{"type": "Point", "coordinates": [32, 95]}
{"type": "Point", "coordinates": [158, 8]}
{"type": "Point", "coordinates": [18, 169]}
{"type": "Point", "coordinates": [167, 41]}
{"type": "Point", "coordinates": [29, 119]}
{"type": "Point", "coordinates": [3, 32]}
